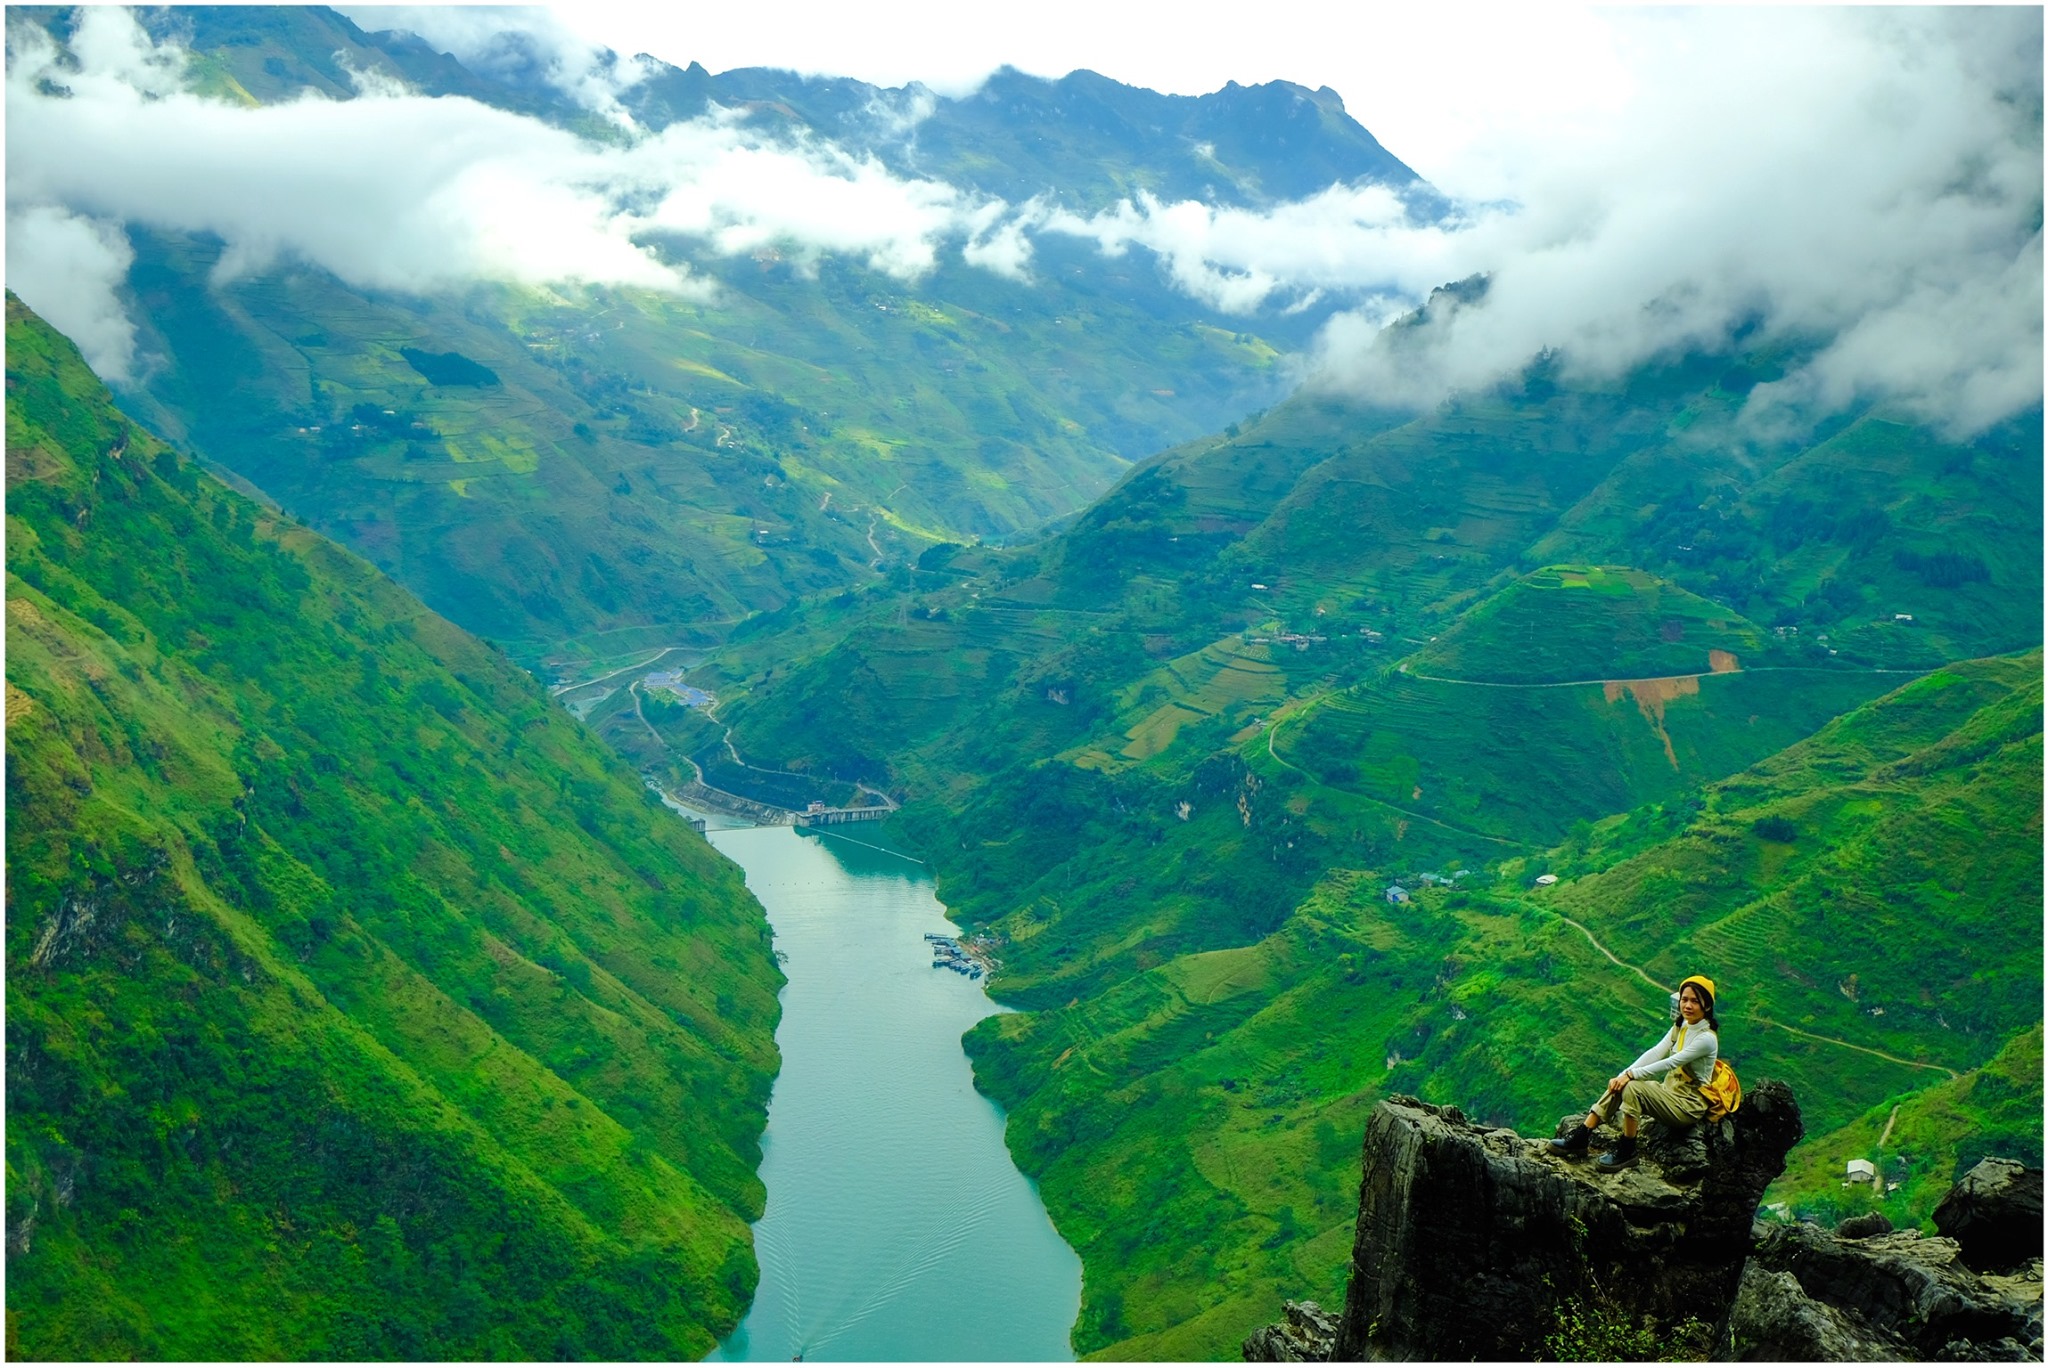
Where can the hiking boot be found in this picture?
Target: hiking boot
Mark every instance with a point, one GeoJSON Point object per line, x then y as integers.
{"type": "Point", "coordinates": [1573, 1145]}
{"type": "Point", "coordinates": [1621, 1156]}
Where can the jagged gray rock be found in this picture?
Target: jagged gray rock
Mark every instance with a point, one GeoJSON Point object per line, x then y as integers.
{"type": "Point", "coordinates": [1307, 1335]}
{"type": "Point", "coordinates": [1994, 1215]}
{"type": "Point", "coordinates": [1864, 1226]}
{"type": "Point", "coordinates": [1775, 1321]}
{"type": "Point", "coordinates": [1473, 1241]}
{"type": "Point", "coordinates": [1809, 1296]}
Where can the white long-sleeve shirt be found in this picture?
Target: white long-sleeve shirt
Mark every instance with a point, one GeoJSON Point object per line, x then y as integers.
{"type": "Point", "coordinates": [1696, 1047]}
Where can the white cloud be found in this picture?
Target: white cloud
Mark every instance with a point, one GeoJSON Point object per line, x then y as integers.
{"type": "Point", "coordinates": [1873, 178]}
{"type": "Point", "coordinates": [1353, 238]}
{"type": "Point", "coordinates": [514, 41]}
{"type": "Point", "coordinates": [1870, 180]}
{"type": "Point", "coordinates": [398, 191]}
{"type": "Point", "coordinates": [109, 44]}
{"type": "Point", "coordinates": [69, 270]}
{"type": "Point", "coordinates": [1871, 175]}
{"type": "Point", "coordinates": [388, 191]}
{"type": "Point", "coordinates": [1004, 250]}
{"type": "Point", "coordinates": [721, 182]}
{"type": "Point", "coordinates": [895, 114]}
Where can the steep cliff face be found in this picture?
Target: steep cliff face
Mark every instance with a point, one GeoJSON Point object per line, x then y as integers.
{"type": "Point", "coordinates": [1476, 1243]}
{"type": "Point", "coordinates": [359, 1004]}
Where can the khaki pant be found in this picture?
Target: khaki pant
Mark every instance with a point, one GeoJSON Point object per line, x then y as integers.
{"type": "Point", "coordinates": [1681, 1103]}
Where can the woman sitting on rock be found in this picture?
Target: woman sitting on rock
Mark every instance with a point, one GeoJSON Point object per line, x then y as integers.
{"type": "Point", "coordinates": [1683, 1059]}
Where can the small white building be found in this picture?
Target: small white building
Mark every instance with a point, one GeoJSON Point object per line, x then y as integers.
{"type": "Point", "coordinates": [1545, 880]}
{"type": "Point", "coordinates": [1862, 1171]}
{"type": "Point", "coordinates": [1396, 894]}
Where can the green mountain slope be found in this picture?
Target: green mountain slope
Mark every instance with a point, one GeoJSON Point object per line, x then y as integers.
{"type": "Point", "coordinates": [1174, 755]}
{"type": "Point", "coordinates": [1194, 1124]}
{"type": "Point", "coordinates": [1373, 533]}
{"type": "Point", "coordinates": [1576, 622]}
{"type": "Point", "coordinates": [1924, 1140]}
{"type": "Point", "coordinates": [1574, 692]}
{"type": "Point", "coordinates": [359, 1005]}
{"type": "Point", "coordinates": [1869, 876]}
{"type": "Point", "coordinates": [1527, 762]}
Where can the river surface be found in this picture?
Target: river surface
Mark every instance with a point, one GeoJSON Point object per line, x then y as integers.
{"type": "Point", "coordinates": [897, 1228]}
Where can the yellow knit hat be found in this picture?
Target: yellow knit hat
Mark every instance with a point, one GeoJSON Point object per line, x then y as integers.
{"type": "Point", "coordinates": [1706, 986]}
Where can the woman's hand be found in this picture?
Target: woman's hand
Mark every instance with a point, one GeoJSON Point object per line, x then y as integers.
{"type": "Point", "coordinates": [1619, 1081]}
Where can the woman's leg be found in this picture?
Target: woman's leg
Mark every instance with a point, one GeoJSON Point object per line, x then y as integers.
{"type": "Point", "coordinates": [1602, 1110]}
{"type": "Point", "coordinates": [1677, 1105]}
{"type": "Point", "coordinates": [1576, 1140]}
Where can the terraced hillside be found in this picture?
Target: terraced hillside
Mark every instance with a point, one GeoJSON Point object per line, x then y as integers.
{"type": "Point", "coordinates": [1574, 692]}
{"type": "Point", "coordinates": [359, 1004]}
{"type": "Point", "coordinates": [1873, 960]}
{"type": "Point", "coordinates": [1277, 670]}
{"type": "Point", "coordinates": [1569, 623]}
{"type": "Point", "coordinates": [1373, 534]}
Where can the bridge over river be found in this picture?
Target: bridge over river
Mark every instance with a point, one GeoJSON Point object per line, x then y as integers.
{"type": "Point", "coordinates": [817, 814]}
{"type": "Point", "coordinates": [701, 796]}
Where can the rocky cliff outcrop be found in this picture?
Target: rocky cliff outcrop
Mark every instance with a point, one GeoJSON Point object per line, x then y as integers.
{"type": "Point", "coordinates": [1866, 1292]}
{"type": "Point", "coordinates": [1809, 1295]}
{"type": "Point", "coordinates": [1307, 1334]}
{"type": "Point", "coordinates": [1994, 1215]}
{"type": "Point", "coordinates": [1474, 1242]}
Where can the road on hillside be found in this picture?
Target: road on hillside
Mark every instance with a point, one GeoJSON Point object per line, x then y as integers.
{"type": "Point", "coordinates": [1649, 679]}
{"type": "Point", "coordinates": [558, 690]}
{"type": "Point", "coordinates": [1759, 1020]}
{"type": "Point", "coordinates": [1273, 727]}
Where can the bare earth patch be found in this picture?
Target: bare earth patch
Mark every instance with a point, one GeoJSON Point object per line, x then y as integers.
{"type": "Point", "coordinates": [1652, 694]}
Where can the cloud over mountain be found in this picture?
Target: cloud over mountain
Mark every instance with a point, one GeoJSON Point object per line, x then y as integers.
{"type": "Point", "coordinates": [1868, 180]}
{"type": "Point", "coordinates": [1865, 184]}
{"type": "Point", "coordinates": [521, 44]}
{"type": "Point", "coordinates": [393, 190]}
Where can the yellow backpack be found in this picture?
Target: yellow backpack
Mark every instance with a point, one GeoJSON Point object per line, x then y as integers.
{"type": "Point", "coordinates": [1723, 1091]}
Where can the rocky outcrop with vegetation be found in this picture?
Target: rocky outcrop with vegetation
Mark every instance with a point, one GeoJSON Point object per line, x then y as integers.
{"type": "Point", "coordinates": [1474, 1242]}
{"type": "Point", "coordinates": [1865, 1292]}
{"type": "Point", "coordinates": [1812, 1296]}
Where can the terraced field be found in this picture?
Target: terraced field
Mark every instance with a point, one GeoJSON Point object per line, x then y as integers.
{"type": "Point", "coordinates": [1230, 679]}
{"type": "Point", "coordinates": [1576, 622]}
{"type": "Point", "coordinates": [1528, 762]}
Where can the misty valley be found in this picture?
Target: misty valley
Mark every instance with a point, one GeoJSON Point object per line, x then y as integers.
{"type": "Point", "coordinates": [656, 714]}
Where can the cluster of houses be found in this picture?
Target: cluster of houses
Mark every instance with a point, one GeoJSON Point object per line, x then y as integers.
{"type": "Point", "coordinates": [1298, 640]}
{"type": "Point", "coordinates": [1397, 894]}
{"type": "Point", "coordinates": [671, 682]}
{"type": "Point", "coordinates": [1301, 641]}
{"type": "Point", "coordinates": [970, 960]}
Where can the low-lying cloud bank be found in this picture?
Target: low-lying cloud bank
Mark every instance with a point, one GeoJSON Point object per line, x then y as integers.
{"type": "Point", "coordinates": [393, 190]}
{"type": "Point", "coordinates": [1864, 181]}
{"type": "Point", "coordinates": [1871, 177]}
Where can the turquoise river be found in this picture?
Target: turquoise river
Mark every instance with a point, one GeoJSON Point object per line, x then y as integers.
{"type": "Point", "coordinates": [897, 1227]}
